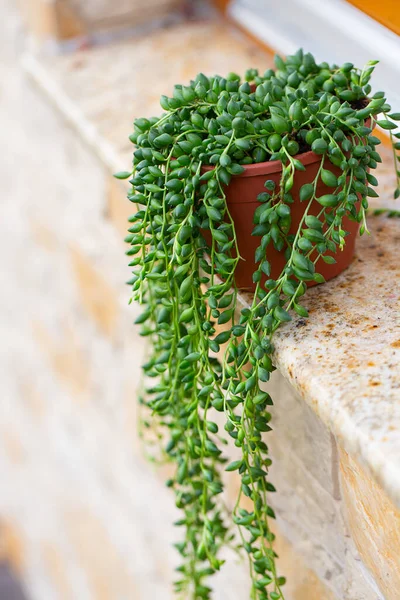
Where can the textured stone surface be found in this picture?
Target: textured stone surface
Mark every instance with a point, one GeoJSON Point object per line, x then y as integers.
{"type": "Point", "coordinates": [97, 296]}
{"type": "Point", "coordinates": [118, 209]}
{"type": "Point", "coordinates": [60, 20]}
{"type": "Point", "coordinates": [374, 523]}
{"type": "Point", "coordinates": [102, 13]}
{"type": "Point", "coordinates": [309, 504]}
{"type": "Point", "coordinates": [344, 360]}
{"type": "Point", "coordinates": [39, 18]}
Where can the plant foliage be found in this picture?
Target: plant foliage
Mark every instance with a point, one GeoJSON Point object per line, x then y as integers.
{"type": "Point", "coordinates": [206, 355]}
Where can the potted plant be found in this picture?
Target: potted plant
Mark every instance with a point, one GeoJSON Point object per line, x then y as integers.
{"type": "Point", "coordinates": [259, 184]}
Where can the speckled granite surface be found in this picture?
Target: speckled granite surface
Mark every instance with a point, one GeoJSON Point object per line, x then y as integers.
{"type": "Point", "coordinates": [344, 361]}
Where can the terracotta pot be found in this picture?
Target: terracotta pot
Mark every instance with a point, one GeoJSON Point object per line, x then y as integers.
{"type": "Point", "coordinates": [241, 195]}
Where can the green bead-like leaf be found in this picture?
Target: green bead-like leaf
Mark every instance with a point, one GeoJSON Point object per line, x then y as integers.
{"type": "Point", "coordinates": [193, 357]}
{"type": "Point", "coordinates": [225, 317]}
{"type": "Point", "coordinates": [299, 260]}
{"type": "Point", "coordinates": [319, 146]}
{"type": "Point", "coordinates": [223, 337]}
{"type": "Point", "coordinates": [234, 466]}
{"type": "Point", "coordinates": [281, 314]}
{"type": "Point", "coordinates": [329, 260]}
{"type": "Point", "coordinates": [306, 192]}
{"type": "Point", "coordinates": [186, 315]}
{"type": "Point", "coordinates": [280, 124]}
{"type": "Point", "coordinates": [163, 140]}
{"type": "Point", "coordinates": [250, 383]}
{"type": "Point", "coordinates": [386, 124]}
{"type": "Point", "coordinates": [122, 175]}
{"type": "Point", "coordinates": [329, 178]}
{"type": "Point", "coordinates": [319, 278]}
{"type": "Point", "coordinates": [328, 200]}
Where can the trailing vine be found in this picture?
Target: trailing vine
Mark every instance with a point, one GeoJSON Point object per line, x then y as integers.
{"type": "Point", "coordinates": [206, 355]}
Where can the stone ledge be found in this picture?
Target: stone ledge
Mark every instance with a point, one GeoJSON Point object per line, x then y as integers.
{"type": "Point", "coordinates": [82, 22]}
{"type": "Point", "coordinates": [100, 91]}
{"type": "Point", "coordinates": [344, 360]}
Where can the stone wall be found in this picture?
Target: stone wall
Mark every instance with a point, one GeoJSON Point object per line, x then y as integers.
{"type": "Point", "coordinates": [61, 20]}
{"type": "Point", "coordinates": [83, 514]}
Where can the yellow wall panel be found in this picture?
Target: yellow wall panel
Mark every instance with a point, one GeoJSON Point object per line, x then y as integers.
{"type": "Point", "coordinates": [386, 12]}
{"type": "Point", "coordinates": [221, 4]}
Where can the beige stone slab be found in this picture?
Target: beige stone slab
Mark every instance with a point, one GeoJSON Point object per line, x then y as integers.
{"type": "Point", "coordinates": [302, 582]}
{"type": "Point", "coordinates": [345, 359]}
{"type": "Point", "coordinates": [101, 90]}
{"type": "Point", "coordinates": [51, 20]}
{"type": "Point", "coordinates": [105, 14]}
{"type": "Point", "coordinates": [309, 502]}
{"type": "Point", "coordinates": [60, 20]}
{"type": "Point", "coordinates": [374, 523]}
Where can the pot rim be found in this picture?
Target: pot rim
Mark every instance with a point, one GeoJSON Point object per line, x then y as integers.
{"type": "Point", "coordinates": [275, 166]}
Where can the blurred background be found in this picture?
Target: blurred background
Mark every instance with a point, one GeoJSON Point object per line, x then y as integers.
{"type": "Point", "coordinates": [82, 515]}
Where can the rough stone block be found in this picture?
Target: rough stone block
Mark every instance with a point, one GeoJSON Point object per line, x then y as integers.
{"type": "Point", "coordinates": [305, 436]}
{"type": "Point", "coordinates": [52, 19]}
{"type": "Point", "coordinates": [118, 207]}
{"type": "Point", "coordinates": [97, 296]}
{"type": "Point", "coordinates": [374, 523]}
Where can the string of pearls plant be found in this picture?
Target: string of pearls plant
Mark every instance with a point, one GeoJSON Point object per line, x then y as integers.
{"type": "Point", "coordinates": [187, 286]}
